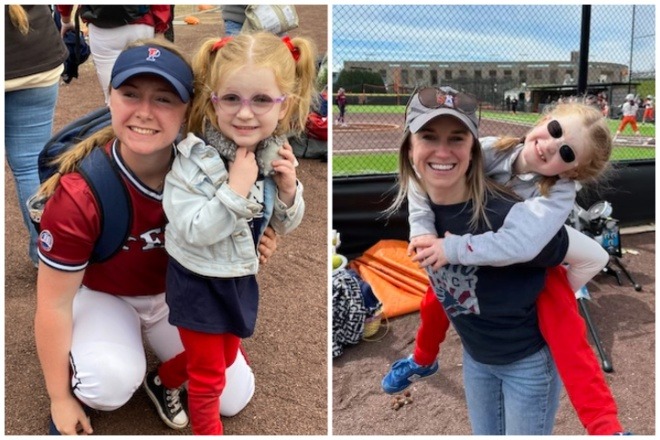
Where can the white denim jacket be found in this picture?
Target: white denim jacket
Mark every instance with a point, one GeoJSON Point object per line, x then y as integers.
{"type": "Point", "coordinates": [208, 230]}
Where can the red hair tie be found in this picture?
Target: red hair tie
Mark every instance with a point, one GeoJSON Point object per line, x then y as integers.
{"type": "Point", "coordinates": [220, 43]}
{"type": "Point", "coordinates": [293, 49]}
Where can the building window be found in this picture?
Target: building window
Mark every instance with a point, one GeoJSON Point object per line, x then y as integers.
{"type": "Point", "coordinates": [462, 73]}
{"type": "Point", "coordinates": [477, 74]}
{"type": "Point", "coordinates": [492, 74]}
{"type": "Point", "coordinates": [404, 76]}
{"type": "Point", "coordinates": [448, 74]}
{"type": "Point", "coordinates": [522, 75]}
{"type": "Point", "coordinates": [419, 75]}
{"type": "Point", "coordinates": [434, 77]}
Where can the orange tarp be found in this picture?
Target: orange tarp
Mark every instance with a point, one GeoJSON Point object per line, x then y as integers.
{"type": "Point", "coordinates": [396, 281]}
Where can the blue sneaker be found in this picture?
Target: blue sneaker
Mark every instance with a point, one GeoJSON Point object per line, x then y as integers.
{"type": "Point", "coordinates": [403, 372]}
{"type": "Point", "coordinates": [52, 430]}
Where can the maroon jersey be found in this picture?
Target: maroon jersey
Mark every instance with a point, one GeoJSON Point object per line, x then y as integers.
{"type": "Point", "coordinates": [70, 225]}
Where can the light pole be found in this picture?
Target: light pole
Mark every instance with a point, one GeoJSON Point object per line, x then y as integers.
{"type": "Point", "coordinates": [495, 96]}
{"type": "Point", "coordinates": [632, 40]}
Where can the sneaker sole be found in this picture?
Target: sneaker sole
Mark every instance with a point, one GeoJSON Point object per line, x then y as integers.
{"type": "Point", "coordinates": [162, 415]}
{"type": "Point", "coordinates": [410, 381]}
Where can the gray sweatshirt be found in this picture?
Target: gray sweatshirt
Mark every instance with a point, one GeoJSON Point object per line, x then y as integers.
{"type": "Point", "coordinates": [528, 227]}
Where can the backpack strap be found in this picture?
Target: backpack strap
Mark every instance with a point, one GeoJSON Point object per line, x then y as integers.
{"type": "Point", "coordinates": [103, 178]}
{"type": "Point", "coordinates": [68, 136]}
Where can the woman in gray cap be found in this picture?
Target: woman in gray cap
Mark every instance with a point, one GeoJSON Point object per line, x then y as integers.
{"type": "Point", "coordinates": [511, 382]}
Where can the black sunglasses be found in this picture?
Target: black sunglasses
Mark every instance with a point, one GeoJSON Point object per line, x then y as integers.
{"type": "Point", "coordinates": [434, 97]}
{"type": "Point", "coordinates": [565, 152]}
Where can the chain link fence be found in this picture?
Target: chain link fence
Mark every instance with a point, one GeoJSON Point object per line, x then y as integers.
{"type": "Point", "coordinates": [516, 59]}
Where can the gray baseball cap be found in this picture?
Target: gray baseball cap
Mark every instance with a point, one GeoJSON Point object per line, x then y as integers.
{"type": "Point", "coordinates": [430, 102]}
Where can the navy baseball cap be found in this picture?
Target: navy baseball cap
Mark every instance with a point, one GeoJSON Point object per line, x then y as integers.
{"type": "Point", "coordinates": [156, 60]}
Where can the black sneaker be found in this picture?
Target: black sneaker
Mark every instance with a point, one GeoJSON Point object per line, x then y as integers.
{"type": "Point", "coordinates": [167, 401]}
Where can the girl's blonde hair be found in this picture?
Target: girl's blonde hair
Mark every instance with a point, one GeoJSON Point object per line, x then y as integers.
{"type": "Point", "coordinates": [296, 79]}
{"type": "Point", "coordinates": [598, 140]}
{"type": "Point", "coordinates": [480, 188]}
{"type": "Point", "coordinates": [19, 18]}
{"type": "Point", "coordinates": [68, 161]}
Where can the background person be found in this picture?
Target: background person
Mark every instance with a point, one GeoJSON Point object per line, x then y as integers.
{"type": "Point", "coordinates": [112, 27]}
{"type": "Point", "coordinates": [341, 103]}
{"type": "Point", "coordinates": [233, 17]}
{"type": "Point", "coordinates": [649, 113]}
{"type": "Point", "coordinates": [34, 57]}
{"type": "Point", "coordinates": [629, 115]}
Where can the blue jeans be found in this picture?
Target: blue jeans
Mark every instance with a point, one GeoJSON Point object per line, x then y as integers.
{"type": "Point", "coordinates": [520, 398]}
{"type": "Point", "coordinates": [232, 27]}
{"type": "Point", "coordinates": [28, 124]}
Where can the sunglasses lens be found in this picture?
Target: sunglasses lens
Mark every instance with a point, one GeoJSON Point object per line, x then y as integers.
{"type": "Point", "coordinates": [554, 129]}
{"type": "Point", "coordinates": [566, 153]}
{"type": "Point", "coordinates": [466, 103]}
{"type": "Point", "coordinates": [434, 98]}
{"type": "Point", "coordinates": [428, 97]}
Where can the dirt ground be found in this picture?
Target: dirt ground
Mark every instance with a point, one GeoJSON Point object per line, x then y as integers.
{"type": "Point", "coordinates": [624, 319]}
{"type": "Point", "coordinates": [288, 351]}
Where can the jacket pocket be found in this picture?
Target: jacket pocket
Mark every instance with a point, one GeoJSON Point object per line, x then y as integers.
{"type": "Point", "coordinates": [243, 243]}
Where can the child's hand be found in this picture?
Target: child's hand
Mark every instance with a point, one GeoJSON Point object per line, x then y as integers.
{"type": "Point", "coordinates": [285, 174]}
{"type": "Point", "coordinates": [243, 171]}
{"type": "Point", "coordinates": [420, 242]}
{"type": "Point", "coordinates": [431, 252]}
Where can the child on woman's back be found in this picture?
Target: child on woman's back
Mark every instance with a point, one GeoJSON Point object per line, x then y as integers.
{"type": "Point", "coordinates": [234, 175]}
{"type": "Point", "coordinates": [570, 143]}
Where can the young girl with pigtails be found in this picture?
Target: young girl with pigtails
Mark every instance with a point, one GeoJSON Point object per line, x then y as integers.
{"type": "Point", "coordinates": [234, 174]}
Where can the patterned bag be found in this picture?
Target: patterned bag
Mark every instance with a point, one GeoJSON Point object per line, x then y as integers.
{"type": "Point", "coordinates": [277, 19]}
{"type": "Point", "coordinates": [348, 311]}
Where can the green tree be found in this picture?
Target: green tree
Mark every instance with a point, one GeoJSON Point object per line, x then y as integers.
{"type": "Point", "coordinates": [645, 88]}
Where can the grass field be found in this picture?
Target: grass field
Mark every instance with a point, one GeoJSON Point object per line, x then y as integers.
{"type": "Point", "coordinates": [386, 163]}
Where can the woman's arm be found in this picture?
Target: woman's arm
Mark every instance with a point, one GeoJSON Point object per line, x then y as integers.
{"type": "Point", "coordinates": [162, 15]}
{"type": "Point", "coordinates": [53, 326]}
{"type": "Point", "coordinates": [66, 21]}
{"type": "Point", "coordinates": [267, 245]}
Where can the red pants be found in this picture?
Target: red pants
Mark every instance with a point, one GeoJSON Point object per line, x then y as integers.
{"type": "Point", "coordinates": [564, 331]}
{"type": "Point", "coordinates": [203, 363]}
{"type": "Point", "coordinates": [648, 114]}
{"type": "Point", "coordinates": [632, 120]}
